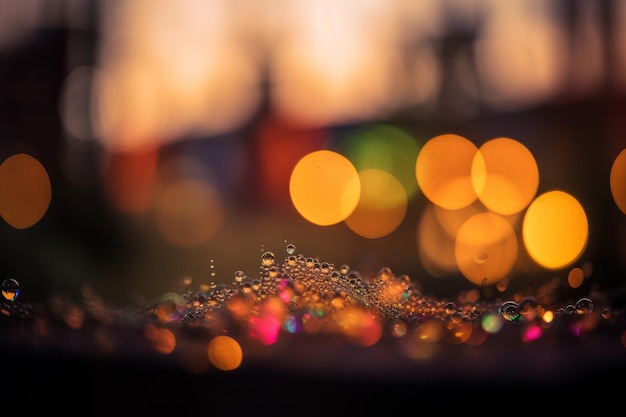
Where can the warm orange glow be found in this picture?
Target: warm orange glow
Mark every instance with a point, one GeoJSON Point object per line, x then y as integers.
{"type": "Point", "coordinates": [25, 191]}
{"type": "Point", "coordinates": [172, 71]}
{"type": "Point", "coordinates": [435, 246]}
{"type": "Point", "coordinates": [129, 178]}
{"type": "Point", "coordinates": [360, 325]}
{"type": "Point", "coordinates": [188, 212]}
{"type": "Point", "coordinates": [575, 277]}
{"type": "Point", "coordinates": [324, 187]}
{"type": "Point", "coordinates": [555, 229]}
{"type": "Point", "coordinates": [225, 353]}
{"type": "Point", "coordinates": [328, 54]}
{"type": "Point", "coordinates": [278, 146]}
{"type": "Point", "coordinates": [507, 176]}
{"type": "Point", "coordinates": [77, 105]}
{"type": "Point", "coordinates": [618, 181]}
{"type": "Point", "coordinates": [163, 340]}
{"type": "Point", "coordinates": [443, 170]}
{"type": "Point", "coordinates": [381, 207]}
{"type": "Point", "coordinates": [486, 248]}
{"type": "Point", "coordinates": [519, 67]}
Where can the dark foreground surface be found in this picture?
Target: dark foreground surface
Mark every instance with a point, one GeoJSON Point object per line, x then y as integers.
{"type": "Point", "coordinates": [112, 369]}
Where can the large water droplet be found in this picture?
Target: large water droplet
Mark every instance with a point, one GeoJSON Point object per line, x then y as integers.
{"type": "Point", "coordinates": [10, 289]}
{"type": "Point", "coordinates": [584, 306]}
{"type": "Point", "coordinates": [508, 311]}
{"type": "Point", "coordinates": [268, 258]}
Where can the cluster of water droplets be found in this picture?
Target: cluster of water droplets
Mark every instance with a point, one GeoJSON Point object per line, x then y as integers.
{"type": "Point", "coordinates": [9, 306]}
{"type": "Point", "coordinates": [309, 286]}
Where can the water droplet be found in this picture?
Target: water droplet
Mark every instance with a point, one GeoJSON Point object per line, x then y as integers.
{"type": "Point", "coordinates": [584, 306]}
{"type": "Point", "coordinates": [527, 308]}
{"type": "Point", "coordinates": [291, 248]}
{"type": "Point", "coordinates": [268, 258]}
{"type": "Point", "coordinates": [10, 289]}
{"type": "Point", "coordinates": [508, 311]}
{"type": "Point", "coordinates": [450, 307]}
{"type": "Point", "coordinates": [606, 313]}
{"type": "Point", "coordinates": [239, 275]}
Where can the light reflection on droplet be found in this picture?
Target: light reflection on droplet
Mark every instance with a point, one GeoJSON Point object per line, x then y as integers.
{"type": "Point", "coordinates": [508, 311]}
{"type": "Point", "coordinates": [584, 306]}
{"type": "Point", "coordinates": [10, 289]}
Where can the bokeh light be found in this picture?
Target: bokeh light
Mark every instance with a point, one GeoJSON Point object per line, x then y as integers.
{"type": "Point", "coordinates": [385, 147]}
{"type": "Point", "coordinates": [382, 205]}
{"type": "Point", "coordinates": [225, 353]}
{"type": "Point", "coordinates": [486, 248]}
{"type": "Point", "coordinates": [555, 229]}
{"type": "Point", "coordinates": [505, 176]}
{"type": "Point", "coordinates": [25, 190]}
{"type": "Point", "coordinates": [444, 171]}
{"type": "Point", "coordinates": [324, 187]}
{"type": "Point", "coordinates": [617, 181]}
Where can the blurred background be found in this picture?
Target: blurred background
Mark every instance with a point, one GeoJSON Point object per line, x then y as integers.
{"type": "Point", "coordinates": [466, 144]}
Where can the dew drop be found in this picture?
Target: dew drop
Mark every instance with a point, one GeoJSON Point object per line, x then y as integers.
{"type": "Point", "coordinates": [584, 306]}
{"type": "Point", "coordinates": [268, 258]}
{"type": "Point", "coordinates": [527, 308]}
{"type": "Point", "coordinates": [239, 275]}
{"type": "Point", "coordinates": [10, 289]}
{"type": "Point", "coordinates": [450, 307]}
{"type": "Point", "coordinates": [508, 311]}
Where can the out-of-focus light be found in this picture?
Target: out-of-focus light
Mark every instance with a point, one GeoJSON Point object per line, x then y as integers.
{"type": "Point", "coordinates": [575, 277]}
{"type": "Point", "coordinates": [492, 323]}
{"type": "Point", "coordinates": [505, 176]}
{"type": "Point", "coordinates": [77, 105]}
{"type": "Point", "coordinates": [328, 53]}
{"type": "Point", "coordinates": [532, 333]}
{"type": "Point", "coordinates": [385, 147]}
{"type": "Point", "coordinates": [265, 328]}
{"type": "Point", "coordinates": [548, 317]}
{"type": "Point", "coordinates": [435, 245]}
{"type": "Point", "coordinates": [25, 190]}
{"type": "Point", "coordinates": [225, 353]}
{"type": "Point", "coordinates": [555, 229]}
{"type": "Point", "coordinates": [163, 339]}
{"type": "Point", "coordinates": [278, 145]}
{"type": "Point", "coordinates": [359, 325]}
{"type": "Point", "coordinates": [174, 71]}
{"type": "Point", "coordinates": [324, 187]}
{"type": "Point", "coordinates": [617, 180]}
{"type": "Point", "coordinates": [382, 205]}
{"type": "Point", "coordinates": [129, 177]}
{"type": "Point", "coordinates": [486, 248]}
{"type": "Point", "coordinates": [444, 171]}
{"type": "Point", "coordinates": [518, 67]}
{"type": "Point", "coordinates": [188, 212]}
